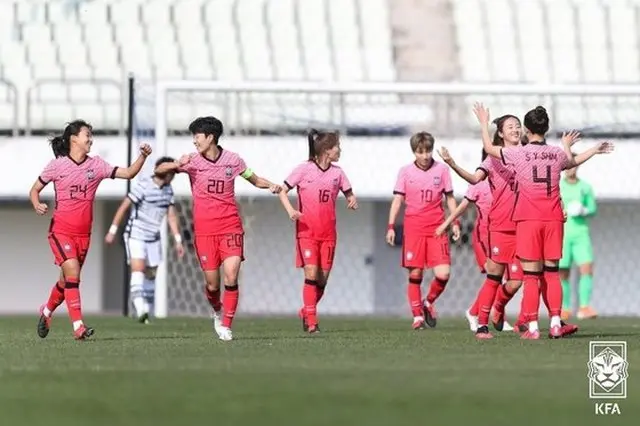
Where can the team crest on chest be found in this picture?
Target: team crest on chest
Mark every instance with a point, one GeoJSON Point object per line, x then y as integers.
{"type": "Point", "coordinates": [436, 181]}
{"type": "Point", "coordinates": [91, 174]}
{"type": "Point", "coordinates": [228, 173]}
{"type": "Point", "coordinates": [335, 183]}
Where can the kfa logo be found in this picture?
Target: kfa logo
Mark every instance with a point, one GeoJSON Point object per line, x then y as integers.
{"type": "Point", "coordinates": [608, 373]}
{"type": "Point", "coordinates": [91, 174]}
{"type": "Point", "coordinates": [436, 181]}
{"type": "Point", "coordinates": [228, 173]}
{"type": "Point", "coordinates": [335, 183]}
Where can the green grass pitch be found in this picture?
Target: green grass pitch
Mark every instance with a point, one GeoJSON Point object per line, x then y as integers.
{"type": "Point", "coordinates": [357, 372]}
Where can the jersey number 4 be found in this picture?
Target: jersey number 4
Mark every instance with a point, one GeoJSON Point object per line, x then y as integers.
{"type": "Point", "coordinates": [546, 178]}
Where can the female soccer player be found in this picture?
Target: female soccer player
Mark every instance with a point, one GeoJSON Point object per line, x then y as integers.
{"type": "Point", "coordinates": [580, 206]}
{"type": "Point", "coordinates": [502, 235]}
{"type": "Point", "coordinates": [422, 185]}
{"type": "Point", "coordinates": [538, 211]}
{"type": "Point", "coordinates": [76, 177]}
{"type": "Point", "coordinates": [318, 182]}
{"type": "Point", "coordinates": [152, 200]}
{"type": "Point", "coordinates": [219, 235]}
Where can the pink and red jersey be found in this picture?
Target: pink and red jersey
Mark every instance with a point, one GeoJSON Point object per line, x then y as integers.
{"type": "Point", "coordinates": [215, 210]}
{"type": "Point", "coordinates": [502, 181]}
{"type": "Point", "coordinates": [317, 194]}
{"type": "Point", "coordinates": [538, 167]}
{"type": "Point", "coordinates": [423, 190]}
{"type": "Point", "coordinates": [480, 195]}
{"type": "Point", "coordinates": [75, 186]}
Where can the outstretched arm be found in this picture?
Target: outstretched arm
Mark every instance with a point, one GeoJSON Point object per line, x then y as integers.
{"type": "Point", "coordinates": [600, 148]}
{"type": "Point", "coordinates": [132, 171]}
{"type": "Point", "coordinates": [260, 182]}
{"type": "Point", "coordinates": [482, 114]}
{"type": "Point", "coordinates": [472, 178]}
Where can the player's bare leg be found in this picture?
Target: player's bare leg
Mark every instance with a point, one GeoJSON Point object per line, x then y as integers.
{"type": "Point", "coordinates": [414, 293]}
{"type": "Point", "coordinates": [438, 284]}
{"type": "Point", "coordinates": [532, 270]}
{"type": "Point", "coordinates": [148, 293]}
{"type": "Point", "coordinates": [310, 298]}
{"type": "Point", "coordinates": [138, 267]}
{"type": "Point", "coordinates": [231, 295]}
{"type": "Point", "coordinates": [56, 297]}
{"type": "Point", "coordinates": [212, 293]}
{"type": "Point", "coordinates": [71, 271]}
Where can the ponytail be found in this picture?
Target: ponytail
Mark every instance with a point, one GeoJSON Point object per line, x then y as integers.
{"type": "Point", "coordinates": [311, 139]}
{"type": "Point", "coordinates": [60, 147]}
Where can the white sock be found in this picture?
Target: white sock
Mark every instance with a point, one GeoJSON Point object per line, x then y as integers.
{"type": "Point", "coordinates": [77, 325]}
{"type": "Point", "coordinates": [46, 312]}
{"type": "Point", "coordinates": [149, 294]}
{"type": "Point", "coordinates": [555, 321]}
{"type": "Point", "coordinates": [416, 319]}
{"type": "Point", "coordinates": [533, 326]}
{"type": "Point", "coordinates": [137, 281]}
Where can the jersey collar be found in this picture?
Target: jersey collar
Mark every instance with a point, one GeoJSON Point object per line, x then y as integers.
{"type": "Point", "coordinates": [415, 163]}
{"type": "Point", "coordinates": [215, 160]}
{"type": "Point", "coordinates": [542, 142]}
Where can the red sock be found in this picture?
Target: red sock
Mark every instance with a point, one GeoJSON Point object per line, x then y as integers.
{"type": "Point", "coordinates": [213, 297]}
{"type": "Point", "coordinates": [552, 288]}
{"type": "Point", "coordinates": [543, 292]}
{"type": "Point", "coordinates": [414, 293]}
{"type": "Point", "coordinates": [309, 301]}
{"type": "Point", "coordinates": [473, 310]}
{"type": "Point", "coordinates": [486, 297]}
{"type": "Point", "coordinates": [530, 296]}
{"type": "Point", "coordinates": [435, 289]}
{"type": "Point", "coordinates": [56, 297]}
{"type": "Point", "coordinates": [319, 293]}
{"type": "Point", "coordinates": [503, 296]}
{"type": "Point", "coordinates": [72, 297]}
{"type": "Point", "coordinates": [229, 304]}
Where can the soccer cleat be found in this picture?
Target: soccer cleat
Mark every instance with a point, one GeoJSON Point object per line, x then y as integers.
{"type": "Point", "coordinates": [520, 327]}
{"type": "Point", "coordinates": [83, 333]}
{"type": "Point", "coordinates": [418, 324]}
{"type": "Point", "coordinates": [483, 333]}
{"type": "Point", "coordinates": [430, 314]}
{"type": "Point", "coordinates": [303, 318]}
{"type": "Point", "coordinates": [144, 319]}
{"type": "Point", "coordinates": [587, 313]}
{"type": "Point", "coordinates": [472, 319]}
{"type": "Point", "coordinates": [568, 329]}
{"type": "Point", "coordinates": [555, 332]}
{"type": "Point", "coordinates": [225, 334]}
{"type": "Point", "coordinates": [216, 320]}
{"type": "Point", "coordinates": [530, 335]}
{"type": "Point", "coordinates": [565, 314]}
{"type": "Point", "coordinates": [44, 323]}
{"type": "Point", "coordinates": [313, 329]}
{"type": "Point", "coordinates": [498, 320]}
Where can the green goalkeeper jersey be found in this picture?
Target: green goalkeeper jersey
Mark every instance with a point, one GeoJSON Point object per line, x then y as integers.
{"type": "Point", "coordinates": [579, 203]}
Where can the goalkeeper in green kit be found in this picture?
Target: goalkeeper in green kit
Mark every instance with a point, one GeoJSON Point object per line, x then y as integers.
{"type": "Point", "coordinates": [580, 205]}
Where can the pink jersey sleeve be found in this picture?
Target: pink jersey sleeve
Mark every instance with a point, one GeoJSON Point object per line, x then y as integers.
{"type": "Point", "coordinates": [510, 155]}
{"type": "Point", "coordinates": [447, 185]}
{"type": "Point", "coordinates": [401, 183]}
{"type": "Point", "coordinates": [565, 162]}
{"type": "Point", "coordinates": [190, 166]}
{"type": "Point", "coordinates": [345, 185]}
{"type": "Point", "coordinates": [239, 167]}
{"type": "Point", "coordinates": [104, 169]}
{"type": "Point", "coordinates": [486, 165]}
{"type": "Point", "coordinates": [49, 173]}
{"type": "Point", "coordinates": [472, 193]}
{"type": "Point", "coordinates": [295, 177]}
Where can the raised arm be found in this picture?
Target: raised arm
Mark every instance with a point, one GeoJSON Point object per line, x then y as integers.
{"type": "Point", "coordinates": [482, 114]}
{"type": "Point", "coordinates": [131, 171]}
{"type": "Point", "coordinates": [117, 219]}
{"type": "Point", "coordinates": [472, 178]}
{"type": "Point", "coordinates": [600, 148]}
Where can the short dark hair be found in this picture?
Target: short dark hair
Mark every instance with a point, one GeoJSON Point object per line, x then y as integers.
{"type": "Point", "coordinates": [422, 140]}
{"type": "Point", "coordinates": [537, 121]}
{"type": "Point", "coordinates": [207, 126]}
{"type": "Point", "coordinates": [61, 144]}
{"type": "Point", "coordinates": [319, 142]}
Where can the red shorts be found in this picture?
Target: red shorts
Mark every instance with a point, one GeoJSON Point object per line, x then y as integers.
{"type": "Point", "coordinates": [315, 252]}
{"type": "Point", "coordinates": [538, 240]}
{"type": "Point", "coordinates": [480, 244]}
{"type": "Point", "coordinates": [502, 246]}
{"type": "Point", "coordinates": [65, 247]}
{"type": "Point", "coordinates": [421, 251]}
{"type": "Point", "coordinates": [212, 250]}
